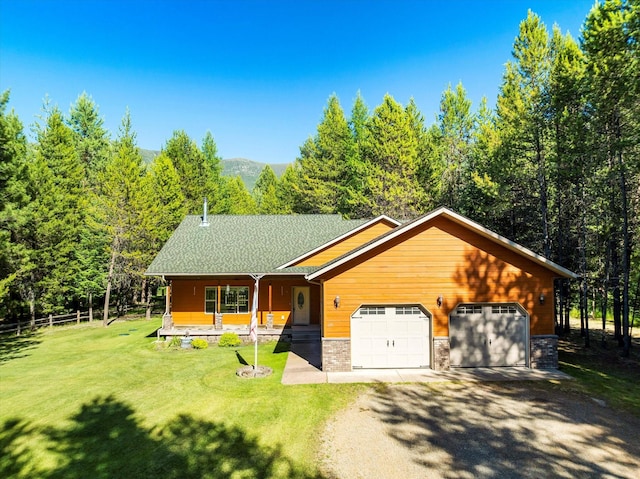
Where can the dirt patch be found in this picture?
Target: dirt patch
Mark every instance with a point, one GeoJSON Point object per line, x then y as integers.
{"type": "Point", "coordinates": [249, 372]}
{"type": "Point", "coordinates": [479, 430]}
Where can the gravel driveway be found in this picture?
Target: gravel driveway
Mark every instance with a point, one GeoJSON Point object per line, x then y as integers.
{"type": "Point", "coordinates": [479, 430]}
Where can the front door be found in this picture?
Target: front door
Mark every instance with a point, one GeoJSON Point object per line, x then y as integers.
{"type": "Point", "coordinates": [301, 308]}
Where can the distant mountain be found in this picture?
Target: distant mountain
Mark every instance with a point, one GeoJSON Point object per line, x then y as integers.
{"type": "Point", "coordinates": [148, 155]}
{"type": "Point", "coordinates": [248, 170]}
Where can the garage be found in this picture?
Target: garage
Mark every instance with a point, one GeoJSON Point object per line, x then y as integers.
{"type": "Point", "coordinates": [488, 335]}
{"type": "Point", "coordinates": [390, 337]}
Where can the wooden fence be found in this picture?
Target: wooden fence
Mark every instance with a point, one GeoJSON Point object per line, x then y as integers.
{"type": "Point", "coordinates": [49, 321]}
{"type": "Point", "coordinates": [157, 307]}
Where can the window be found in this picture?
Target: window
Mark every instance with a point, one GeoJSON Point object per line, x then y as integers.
{"type": "Point", "coordinates": [469, 309]}
{"type": "Point", "coordinates": [372, 310]}
{"type": "Point", "coordinates": [408, 310]}
{"type": "Point", "coordinates": [503, 309]}
{"type": "Point", "coordinates": [234, 300]}
{"type": "Point", "coordinates": [210, 300]}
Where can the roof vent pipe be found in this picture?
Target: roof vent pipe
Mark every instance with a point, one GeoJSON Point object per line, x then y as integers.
{"type": "Point", "coordinates": [205, 222]}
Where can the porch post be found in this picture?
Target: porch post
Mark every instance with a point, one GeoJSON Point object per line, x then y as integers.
{"type": "Point", "coordinates": [167, 301]}
{"type": "Point", "coordinates": [270, 315]}
{"type": "Point", "coordinates": [217, 321]}
{"type": "Point", "coordinates": [167, 320]}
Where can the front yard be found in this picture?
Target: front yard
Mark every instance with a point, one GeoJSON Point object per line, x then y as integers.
{"type": "Point", "coordinates": [98, 402]}
{"type": "Point", "coordinates": [87, 401]}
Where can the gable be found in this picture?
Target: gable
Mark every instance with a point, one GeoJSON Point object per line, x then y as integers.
{"type": "Point", "coordinates": [467, 229]}
{"type": "Point", "coordinates": [346, 243]}
{"type": "Point", "coordinates": [443, 251]}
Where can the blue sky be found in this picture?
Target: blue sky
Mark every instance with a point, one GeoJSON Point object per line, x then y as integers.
{"type": "Point", "coordinates": [257, 74]}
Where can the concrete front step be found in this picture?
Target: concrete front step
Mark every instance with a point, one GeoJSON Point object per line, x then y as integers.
{"type": "Point", "coordinates": [305, 334]}
{"type": "Point", "coordinates": [305, 338]}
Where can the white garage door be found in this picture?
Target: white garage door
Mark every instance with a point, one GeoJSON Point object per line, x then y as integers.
{"type": "Point", "coordinates": [390, 337]}
{"type": "Point", "coordinates": [488, 335]}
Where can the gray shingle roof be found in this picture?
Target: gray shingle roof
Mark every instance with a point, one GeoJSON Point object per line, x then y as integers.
{"type": "Point", "coordinates": [245, 244]}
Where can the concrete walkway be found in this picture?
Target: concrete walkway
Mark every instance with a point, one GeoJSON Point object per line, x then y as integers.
{"type": "Point", "coordinates": [304, 362]}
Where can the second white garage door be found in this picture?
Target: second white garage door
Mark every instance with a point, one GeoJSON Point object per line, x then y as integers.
{"type": "Point", "coordinates": [487, 335]}
{"type": "Point", "coordinates": [390, 337]}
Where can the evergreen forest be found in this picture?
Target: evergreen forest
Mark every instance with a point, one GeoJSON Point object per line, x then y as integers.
{"type": "Point", "coordinates": [554, 166]}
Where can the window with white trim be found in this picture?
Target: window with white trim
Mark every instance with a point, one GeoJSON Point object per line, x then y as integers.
{"type": "Point", "coordinates": [372, 310]}
{"type": "Point", "coordinates": [469, 309]}
{"type": "Point", "coordinates": [503, 309]}
{"type": "Point", "coordinates": [210, 300]}
{"type": "Point", "coordinates": [408, 310]}
{"type": "Point", "coordinates": [234, 300]}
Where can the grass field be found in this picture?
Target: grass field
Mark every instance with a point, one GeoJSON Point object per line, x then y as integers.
{"type": "Point", "coordinates": [601, 372]}
{"type": "Point", "coordinates": [96, 402]}
{"type": "Point", "coordinates": [93, 402]}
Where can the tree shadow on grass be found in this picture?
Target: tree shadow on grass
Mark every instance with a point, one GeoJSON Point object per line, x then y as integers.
{"type": "Point", "coordinates": [13, 347]}
{"type": "Point", "coordinates": [107, 440]}
{"type": "Point", "coordinates": [16, 460]}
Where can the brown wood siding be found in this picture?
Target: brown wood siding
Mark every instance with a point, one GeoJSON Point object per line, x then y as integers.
{"type": "Point", "coordinates": [439, 258]}
{"type": "Point", "coordinates": [187, 301]}
{"type": "Point", "coordinates": [347, 244]}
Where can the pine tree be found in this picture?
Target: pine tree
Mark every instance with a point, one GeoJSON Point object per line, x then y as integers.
{"type": "Point", "coordinates": [122, 206]}
{"type": "Point", "coordinates": [236, 200]}
{"type": "Point", "coordinates": [390, 155]}
{"type": "Point", "coordinates": [93, 148]}
{"type": "Point", "coordinates": [570, 166]}
{"type": "Point", "coordinates": [482, 195]}
{"type": "Point", "coordinates": [453, 165]}
{"type": "Point", "coordinates": [90, 138]}
{"type": "Point", "coordinates": [211, 180]}
{"type": "Point", "coordinates": [287, 191]}
{"type": "Point", "coordinates": [165, 201]}
{"type": "Point", "coordinates": [356, 170]}
{"type": "Point", "coordinates": [323, 161]}
{"type": "Point", "coordinates": [610, 43]}
{"type": "Point", "coordinates": [522, 118]}
{"type": "Point", "coordinates": [196, 171]}
{"type": "Point", "coordinates": [59, 210]}
{"type": "Point", "coordinates": [13, 201]}
{"type": "Point", "coordinates": [265, 192]}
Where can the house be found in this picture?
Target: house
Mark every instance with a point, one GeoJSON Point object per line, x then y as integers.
{"type": "Point", "coordinates": [440, 291]}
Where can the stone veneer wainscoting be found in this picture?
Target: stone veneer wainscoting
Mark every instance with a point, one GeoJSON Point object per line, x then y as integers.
{"type": "Point", "coordinates": [441, 351]}
{"type": "Point", "coordinates": [544, 352]}
{"type": "Point", "coordinates": [336, 355]}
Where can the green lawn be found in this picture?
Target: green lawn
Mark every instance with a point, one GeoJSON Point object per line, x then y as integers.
{"type": "Point", "coordinates": [97, 402]}
{"type": "Point", "coordinates": [602, 372]}
{"type": "Point", "coordinates": [93, 402]}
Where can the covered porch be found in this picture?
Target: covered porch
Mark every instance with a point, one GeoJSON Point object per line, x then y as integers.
{"type": "Point", "coordinates": [290, 334]}
{"type": "Point", "coordinates": [222, 302]}
{"type": "Point", "coordinates": [208, 307]}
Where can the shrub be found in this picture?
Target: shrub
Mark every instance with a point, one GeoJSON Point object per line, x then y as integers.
{"type": "Point", "coordinates": [229, 340]}
{"type": "Point", "coordinates": [199, 343]}
{"type": "Point", "coordinates": [175, 342]}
